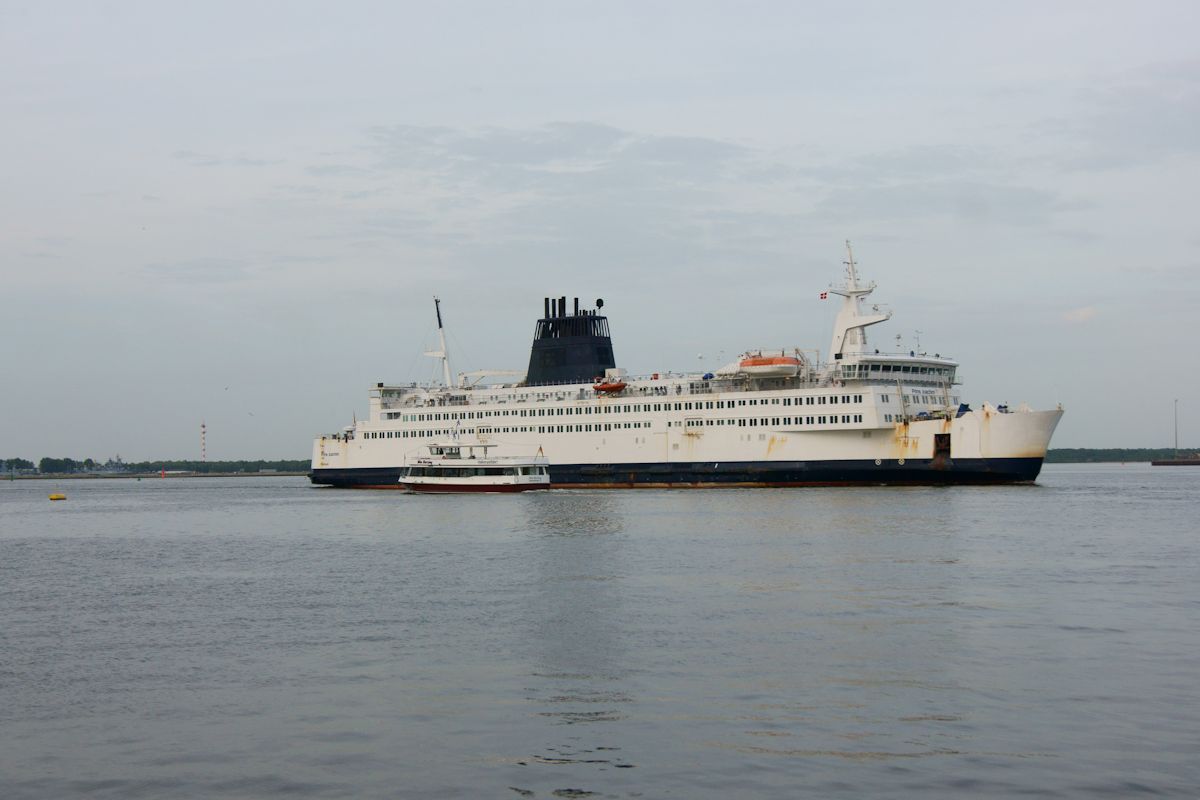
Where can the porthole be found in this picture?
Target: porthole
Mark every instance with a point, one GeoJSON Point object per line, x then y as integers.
{"type": "Point", "coordinates": [878, 461]}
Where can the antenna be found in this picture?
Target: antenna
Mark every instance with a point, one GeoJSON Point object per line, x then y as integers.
{"type": "Point", "coordinates": [203, 442]}
{"type": "Point", "coordinates": [851, 271]}
{"type": "Point", "coordinates": [917, 336]}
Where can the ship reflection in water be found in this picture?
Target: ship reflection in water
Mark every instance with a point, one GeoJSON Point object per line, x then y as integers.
{"type": "Point", "coordinates": [580, 672]}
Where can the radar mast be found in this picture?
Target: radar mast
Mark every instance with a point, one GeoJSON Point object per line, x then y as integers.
{"type": "Point", "coordinates": [850, 322]}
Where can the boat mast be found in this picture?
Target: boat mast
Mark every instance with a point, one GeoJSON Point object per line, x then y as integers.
{"type": "Point", "coordinates": [437, 307]}
{"type": "Point", "coordinates": [850, 322]}
{"type": "Point", "coordinates": [851, 271]}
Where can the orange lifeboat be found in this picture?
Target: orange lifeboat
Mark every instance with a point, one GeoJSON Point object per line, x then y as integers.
{"type": "Point", "coordinates": [769, 366]}
{"type": "Point", "coordinates": [611, 387]}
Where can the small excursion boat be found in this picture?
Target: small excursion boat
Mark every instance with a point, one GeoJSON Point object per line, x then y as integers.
{"type": "Point", "coordinates": [58, 496]}
{"type": "Point", "coordinates": [770, 366]}
{"type": "Point", "coordinates": [460, 467]}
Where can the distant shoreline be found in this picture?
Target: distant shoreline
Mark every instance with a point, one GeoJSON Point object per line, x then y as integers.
{"type": "Point", "coordinates": [1068, 456]}
{"type": "Point", "coordinates": [1064, 455]}
{"type": "Point", "coordinates": [58, 476]}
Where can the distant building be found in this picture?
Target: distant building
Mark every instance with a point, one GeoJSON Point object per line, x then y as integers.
{"type": "Point", "coordinates": [114, 465]}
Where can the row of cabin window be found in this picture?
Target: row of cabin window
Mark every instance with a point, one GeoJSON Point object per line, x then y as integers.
{"type": "Point", "coordinates": [752, 422]}
{"type": "Point", "coordinates": [830, 419]}
{"type": "Point", "coordinates": [636, 408]}
{"type": "Point", "coordinates": [471, 472]}
{"type": "Point", "coordinates": [928, 400]}
{"type": "Point", "coordinates": [516, 429]}
{"type": "Point", "coordinates": [914, 370]}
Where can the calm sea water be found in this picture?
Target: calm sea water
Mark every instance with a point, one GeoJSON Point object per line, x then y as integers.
{"type": "Point", "coordinates": [258, 637]}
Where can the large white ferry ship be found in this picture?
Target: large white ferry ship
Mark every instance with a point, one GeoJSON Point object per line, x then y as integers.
{"type": "Point", "coordinates": [771, 418]}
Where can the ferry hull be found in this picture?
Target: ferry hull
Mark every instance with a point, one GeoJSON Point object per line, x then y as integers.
{"type": "Point", "coordinates": [464, 488]}
{"type": "Point", "coordinates": [358, 477]}
{"type": "Point", "coordinates": [912, 472]}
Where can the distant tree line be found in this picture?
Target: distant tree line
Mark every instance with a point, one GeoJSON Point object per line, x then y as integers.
{"type": "Point", "coordinates": [56, 465]}
{"type": "Point", "coordinates": [1092, 455]}
{"type": "Point", "coordinates": [69, 466]}
{"type": "Point", "coordinates": [282, 465]}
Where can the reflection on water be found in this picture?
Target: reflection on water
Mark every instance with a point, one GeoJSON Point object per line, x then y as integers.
{"type": "Point", "coordinates": [251, 637]}
{"type": "Point", "coordinates": [573, 513]}
{"type": "Point", "coordinates": [579, 670]}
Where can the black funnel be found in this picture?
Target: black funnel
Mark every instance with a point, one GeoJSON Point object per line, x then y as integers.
{"type": "Point", "coordinates": [569, 349]}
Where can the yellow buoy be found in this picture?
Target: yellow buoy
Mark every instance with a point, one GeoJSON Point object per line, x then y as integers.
{"type": "Point", "coordinates": [57, 496]}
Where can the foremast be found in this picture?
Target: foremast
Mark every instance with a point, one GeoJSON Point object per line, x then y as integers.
{"type": "Point", "coordinates": [848, 328]}
{"type": "Point", "coordinates": [442, 354]}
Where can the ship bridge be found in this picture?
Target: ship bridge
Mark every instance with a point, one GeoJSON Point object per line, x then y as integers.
{"type": "Point", "coordinates": [917, 368]}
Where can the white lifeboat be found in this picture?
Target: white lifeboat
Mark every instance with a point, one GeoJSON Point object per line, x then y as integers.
{"type": "Point", "coordinates": [770, 365]}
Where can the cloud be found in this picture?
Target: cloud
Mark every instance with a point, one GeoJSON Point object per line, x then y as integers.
{"type": "Point", "coordinates": [199, 271]}
{"type": "Point", "coordinates": [438, 147]}
{"type": "Point", "coordinates": [334, 170]}
{"type": "Point", "coordinates": [208, 160]}
{"type": "Point", "coordinates": [549, 156]}
{"type": "Point", "coordinates": [541, 194]}
{"type": "Point", "coordinates": [961, 200]}
{"type": "Point", "coordinates": [1134, 118]}
{"type": "Point", "coordinates": [917, 163]}
{"type": "Point", "coordinates": [1078, 316]}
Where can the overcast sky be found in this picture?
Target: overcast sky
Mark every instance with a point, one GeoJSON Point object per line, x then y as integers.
{"type": "Point", "coordinates": [240, 211]}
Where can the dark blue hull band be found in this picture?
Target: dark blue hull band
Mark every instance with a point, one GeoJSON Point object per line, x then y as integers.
{"type": "Point", "coordinates": [913, 472]}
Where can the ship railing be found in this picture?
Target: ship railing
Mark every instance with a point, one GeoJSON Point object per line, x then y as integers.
{"type": "Point", "coordinates": [928, 381]}
{"type": "Point", "coordinates": [906, 355]}
{"type": "Point", "coordinates": [656, 385]}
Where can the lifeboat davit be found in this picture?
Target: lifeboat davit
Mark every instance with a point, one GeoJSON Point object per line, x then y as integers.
{"type": "Point", "coordinates": [764, 366]}
{"type": "Point", "coordinates": [610, 387]}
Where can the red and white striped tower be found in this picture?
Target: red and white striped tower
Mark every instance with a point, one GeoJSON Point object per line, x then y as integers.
{"type": "Point", "coordinates": [203, 443]}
